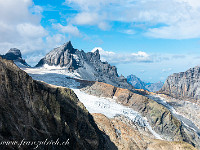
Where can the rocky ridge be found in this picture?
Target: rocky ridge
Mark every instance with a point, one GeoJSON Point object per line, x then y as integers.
{"type": "Point", "coordinates": [87, 65]}
{"type": "Point", "coordinates": [183, 85]}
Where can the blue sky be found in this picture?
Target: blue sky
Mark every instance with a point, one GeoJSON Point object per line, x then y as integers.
{"type": "Point", "coordinates": [150, 38]}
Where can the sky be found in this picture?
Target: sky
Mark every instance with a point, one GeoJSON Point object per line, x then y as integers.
{"type": "Point", "coordinates": [148, 38]}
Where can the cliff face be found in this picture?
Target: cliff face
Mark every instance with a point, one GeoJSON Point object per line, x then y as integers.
{"type": "Point", "coordinates": [36, 111]}
{"type": "Point", "coordinates": [183, 84]}
{"type": "Point", "coordinates": [87, 65]}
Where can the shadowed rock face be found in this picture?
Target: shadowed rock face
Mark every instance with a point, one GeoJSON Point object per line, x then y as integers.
{"type": "Point", "coordinates": [183, 84]}
{"type": "Point", "coordinates": [15, 55]}
{"type": "Point", "coordinates": [87, 65]}
{"type": "Point", "coordinates": [36, 111]}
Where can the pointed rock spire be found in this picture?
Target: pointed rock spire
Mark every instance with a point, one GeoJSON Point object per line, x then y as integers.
{"type": "Point", "coordinates": [68, 46]}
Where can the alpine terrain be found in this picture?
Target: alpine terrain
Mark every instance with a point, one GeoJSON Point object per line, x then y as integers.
{"type": "Point", "coordinates": [73, 95]}
{"type": "Point", "coordinates": [88, 66]}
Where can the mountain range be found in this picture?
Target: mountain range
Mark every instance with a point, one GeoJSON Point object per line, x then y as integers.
{"type": "Point", "coordinates": [87, 65]}
{"type": "Point", "coordinates": [73, 95]}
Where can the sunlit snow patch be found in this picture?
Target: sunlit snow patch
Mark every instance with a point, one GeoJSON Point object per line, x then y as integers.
{"type": "Point", "coordinates": [51, 69]}
{"type": "Point", "coordinates": [58, 76]}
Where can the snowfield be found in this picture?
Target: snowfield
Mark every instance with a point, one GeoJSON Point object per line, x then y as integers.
{"type": "Point", "coordinates": [58, 76]}
{"type": "Point", "coordinates": [51, 69]}
{"type": "Point", "coordinates": [110, 109]}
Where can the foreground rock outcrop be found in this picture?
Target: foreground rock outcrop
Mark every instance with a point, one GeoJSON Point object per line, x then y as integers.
{"type": "Point", "coordinates": [183, 84]}
{"type": "Point", "coordinates": [87, 65]}
{"type": "Point", "coordinates": [35, 111]}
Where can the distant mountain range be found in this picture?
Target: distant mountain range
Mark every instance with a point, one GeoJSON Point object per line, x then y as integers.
{"type": "Point", "coordinates": [139, 84]}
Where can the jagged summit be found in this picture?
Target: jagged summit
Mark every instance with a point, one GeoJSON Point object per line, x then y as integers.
{"type": "Point", "coordinates": [60, 56]}
{"type": "Point", "coordinates": [15, 55]}
{"type": "Point", "coordinates": [87, 65]}
{"type": "Point", "coordinates": [68, 46]}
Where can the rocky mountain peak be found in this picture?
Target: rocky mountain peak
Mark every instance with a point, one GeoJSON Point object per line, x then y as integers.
{"type": "Point", "coordinates": [97, 54]}
{"type": "Point", "coordinates": [87, 65]}
{"type": "Point", "coordinates": [68, 46]}
{"type": "Point", "coordinates": [15, 55]}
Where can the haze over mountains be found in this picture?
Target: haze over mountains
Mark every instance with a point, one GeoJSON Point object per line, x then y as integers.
{"type": "Point", "coordinates": [114, 114]}
{"type": "Point", "coordinates": [139, 84]}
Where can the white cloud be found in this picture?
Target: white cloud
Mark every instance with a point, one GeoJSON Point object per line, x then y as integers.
{"type": "Point", "coordinates": [117, 58]}
{"type": "Point", "coordinates": [86, 18]}
{"type": "Point", "coordinates": [166, 70]}
{"type": "Point", "coordinates": [20, 26]}
{"type": "Point", "coordinates": [70, 29]}
{"type": "Point", "coordinates": [31, 31]}
{"type": "Point", "coordinates": [129, 31]}
{"type": "Point", "coordinates": [91, 18]}
{"type": "Point", "coordinates": [171, 19]}
{"type": "Point", "coordinates": [102, 52]}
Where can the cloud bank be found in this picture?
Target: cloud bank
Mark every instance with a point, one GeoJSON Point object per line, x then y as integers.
{"type": "Point", "coordinates": [117, 58]}
{"type": "Point", "coordinates": [168, 19]}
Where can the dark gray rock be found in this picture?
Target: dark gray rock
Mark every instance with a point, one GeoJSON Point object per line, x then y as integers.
{"type": "Point", "coordinates": [87, 65]}
{"type": "Point", "coordinates": [183, 84]}
{"type": "Point", "coordinates": [15, 55]}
